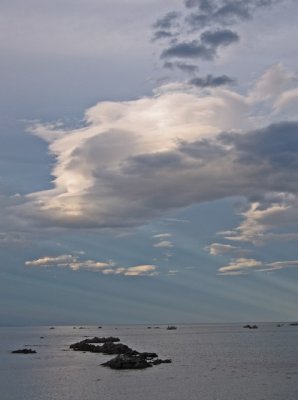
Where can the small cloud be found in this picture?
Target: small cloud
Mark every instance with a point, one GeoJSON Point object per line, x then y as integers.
{"type": "Point", "coordinates": [211, 81]}
{"type": "Point", "coordinates": [69, 261]}
{"type": "Point", "coordinates": [139, 270]}
{"type": "Point", "coordinates": [240, 265]}
{"type": "Point", "coordinates": [173, 272]}
{"type": "Point", "coordinates": [192, 49]}
{"type": "Point", "coordinates": [218, 38]}
{"type": "Point", "coordinates": [218, 249]}
{"type": "Point", "coordinates": [162, 236]}
{"type": "Point", "coordinates": [164, 244]}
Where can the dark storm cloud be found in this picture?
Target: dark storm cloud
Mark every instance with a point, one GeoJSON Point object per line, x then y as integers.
{"type": "Point", "coordinates": [276, 145]}
{"type": "Point", "coordinates": [211, 81]}
{"type": "Point", "coordinates": [217, 38]}
{"type": "Point", "coordinates": [188, 68]}
{"type": "Point", "coordinates": [225, 12]}
{"type": "Point", "coordinates": [193, 49]}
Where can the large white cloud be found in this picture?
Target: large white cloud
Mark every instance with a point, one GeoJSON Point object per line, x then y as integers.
{"type": "Point", "coordinates": [133, 160]}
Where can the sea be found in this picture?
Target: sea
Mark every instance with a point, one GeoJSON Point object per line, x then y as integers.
{"type": "Point", "coordinates": [209, 362]}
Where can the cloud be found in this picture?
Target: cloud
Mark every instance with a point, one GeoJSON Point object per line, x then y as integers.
{"type": "Point", "coordinates": [240, 265]}
{"type": "Point", "coordinates": [107, 268]}
{"type": "Point", "coordinates": [210, 19]}
{"type": "Point", "coordinates": [133, 161]}
{"type": "Point", "coordinates": [223, 13]}
{"type": "Point", "coordinates": [211, 81]}
{"type": "Point", "coordinates": [162, 34]}
{"type": "Point", "coordinates": [164, 244]}
{"type": "Point", "coordinates": [162, 236]}
{"type": "Point", "coordinates": [192, 50]}
{"type": "Point", "coordinates": [206, 49]}
{"type": "Point", "coordinates": [168, 21]}
{"type": "Point", "coordinates": [189, 68]}
{"type": "Point", "coordinates": [272, 218]}
{"type": "Point", "coordinates": [139, 270]}
{"type": "Point", "coordinates": [218, 249]}
{"type": "Point", "coordinates": [217, 38]}
{"type": "Point", "coordinates": [71, 262]}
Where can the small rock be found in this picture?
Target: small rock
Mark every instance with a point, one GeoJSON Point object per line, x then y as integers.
{"type": "Point", "coordinates": [24, 351]}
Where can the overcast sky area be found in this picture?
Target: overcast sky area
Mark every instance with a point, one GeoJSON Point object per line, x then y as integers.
{"type": "Point", "coordinates": [148, 161]}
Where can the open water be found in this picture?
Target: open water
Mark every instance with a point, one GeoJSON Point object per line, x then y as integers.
{"type": "Point", "coordinates": [210, 362]}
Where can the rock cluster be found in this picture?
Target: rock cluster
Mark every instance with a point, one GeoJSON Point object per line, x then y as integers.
{"type": "Point", "coordinates": [126, 358]}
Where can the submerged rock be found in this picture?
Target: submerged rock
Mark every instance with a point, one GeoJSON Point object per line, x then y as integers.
{"type": "Point", "coordinates": [24, 351]}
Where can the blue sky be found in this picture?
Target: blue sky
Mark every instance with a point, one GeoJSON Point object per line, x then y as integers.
{"type": "Point", "coordinates": [148, 161]}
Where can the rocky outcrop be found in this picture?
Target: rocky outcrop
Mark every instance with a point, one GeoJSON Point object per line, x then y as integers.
{"type": "Point", "coordinates": [127, 358]}
{"type": "Point", "coordinates": [24, 351]}
{"type": "Point", "coordinates": [138, 361]}
{"type": "Point", "coordinates": [124, 361]}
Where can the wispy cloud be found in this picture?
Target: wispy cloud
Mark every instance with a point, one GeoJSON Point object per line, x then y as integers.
{"type": "Point", "coordinates": [70, 261]}
{"type": "Point", "coordinates": [218, 249]}
{"type": "Point", "coordinates": [243, 266]}
{"type": "Point", "coordinates": [75, 263]}
{"type": "Point", "coordinates": [139, 270]}
{"type": "Point", "coordinates": [164, 244]}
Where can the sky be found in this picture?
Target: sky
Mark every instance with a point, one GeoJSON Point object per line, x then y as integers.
{"type": "Point", "coordinates": [148, 161]}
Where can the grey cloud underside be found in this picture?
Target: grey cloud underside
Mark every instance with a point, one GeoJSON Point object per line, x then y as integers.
{"type": "Point", "coordinates": [209, 170]}
{"type": "Point", "coordinates": [192, 50]}
{"type": "Point", "coordinates": [222, 12]}
{"type": "Point", "coordinates": [162, 34]}
{"type": "Point", "coordinates": [218, 38]}
{"type": "Point", "coordinates": [205, 49]}
{"type": "Point", "coordinates": [189, 68]}
{"type": "Point", "coordinates": [211, 81]}
{"type": "Point", "coordinates": [205, 14]}
{"type": "Point", "coordinates": [147, 185]}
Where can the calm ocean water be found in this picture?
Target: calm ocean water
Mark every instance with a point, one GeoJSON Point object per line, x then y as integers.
{"type": "Point", "coordinates": [210, 362]}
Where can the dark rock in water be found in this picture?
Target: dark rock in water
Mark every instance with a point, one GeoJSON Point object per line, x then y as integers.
{"type": "Point", "coordinates": [294, 324]}
{"type": "Point", "coordinates": [41, 337]}
{"type": "Point", "coordinates": [81, 346]}
{"type": "Point", "coordinates": [99, 327]}
{"type": "Point", "coordinates": [250, 326]}
{"type": "Point", "coordinates": [52, 327]}
{"type": "Point", "coordinates": [82, 327]}
{"type": "Point", "coordinates": [108, 347]}
{"type": "Point", "coordinates": [24, 351]}
{"type": "Point", "coordinates": [171, 327]}
{"type": "Point", "coordinates": [127, 362]}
